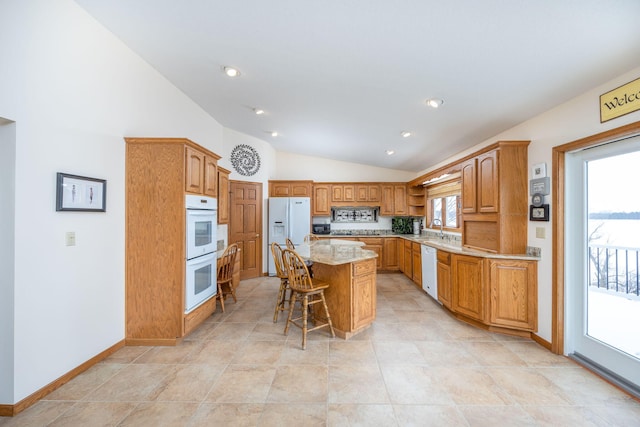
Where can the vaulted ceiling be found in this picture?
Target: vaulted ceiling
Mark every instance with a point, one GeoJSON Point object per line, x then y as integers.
{"type": "Point", "coordinates": [341, 79]}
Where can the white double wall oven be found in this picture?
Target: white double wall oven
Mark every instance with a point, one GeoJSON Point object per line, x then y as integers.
{"type": "Point", "coordinates": [201, 257]}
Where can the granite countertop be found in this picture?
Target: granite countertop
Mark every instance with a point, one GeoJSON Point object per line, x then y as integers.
{"type": "Point", "coordinates": [335, 251]}
{"type": "Point", "coordinates": [453, 246]}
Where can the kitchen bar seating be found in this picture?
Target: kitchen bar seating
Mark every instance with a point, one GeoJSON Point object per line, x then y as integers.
{"type": "Point", "coordinates": [308, 293]}
{"type": "Point", "coordinates": [225, 274]}
{"type": "Point", "coordinates": [281, 273]}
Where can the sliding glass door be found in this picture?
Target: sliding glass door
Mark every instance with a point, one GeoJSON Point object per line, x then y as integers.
{"type": "Point", "coordinates": [602, 222]}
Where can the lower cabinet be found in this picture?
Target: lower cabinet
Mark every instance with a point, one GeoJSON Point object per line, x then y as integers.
{"type": "Point", "coordinates": [416, 264]}
{"type": "Point", "coordinates": [468, 287]}
{"type": "Point", "coordinates": [495, 292]}
{"type": "Point", "coordinates": [364, 299]}
{"type": "Point", "coordinates": [514, 296]}
{"type": "Point", "coordinates": [444, 278]}
{"type": "Point", "coordinates": [390, 254]}
{"type": "Point", "coordinates": [374, 244]}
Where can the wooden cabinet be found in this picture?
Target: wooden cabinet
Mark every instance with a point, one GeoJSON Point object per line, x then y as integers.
{"type": "Point", "coordinates": [494, 198]}
{"type": "Point", "coordinates": [513, 292]}
{"type": "Point", "coordinates": [290, 188]}
{"type": "Point", "coordinates": [400, 252]}
{"type": "Point", "coordinates": [390, 254]}
{"type": "Point", "coordinates": [468, 295]}
{"type": "Point", "coordinates": [488, 186]}
{"type": "Point", "coordinates": [444, 278]}
{"type": "Point", "coordinates": [343, 193]}
{"type": "Point", "coordinates": [496, 292]}
{"type": "Point", "coordinates": [374, 244]}
{"type": "Point", "coordinates": [223, 195]}
{"type": "Point", "coordinates": [408, 259]}
{"type": "Point", "coordinates": [364, 294]}
{"type": "Point", "coordinates": [201, 172]}
{"type": "Point", "coordinates": [351, 296]}
{"type": "Point", "coordinates": [416, 255]}
{"type": "Point", "coordinates": [367, 193]}
{"type": "Point", "coordinates": [155, 246]}
{"type": "Point", "coordinates": [393, 199]}
{"type": "Point", "coordinates": [321, 200]}
{"type": "Point", "coordinates": [468, 175]}
{"type": "Point", "coordinates": [416, 201]}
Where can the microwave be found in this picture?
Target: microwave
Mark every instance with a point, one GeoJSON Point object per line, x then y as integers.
{"type": "Point", "coordinates": [321, 228]}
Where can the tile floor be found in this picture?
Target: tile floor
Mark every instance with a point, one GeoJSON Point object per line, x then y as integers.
{"type": "Point", "coordinates": [415, 366]}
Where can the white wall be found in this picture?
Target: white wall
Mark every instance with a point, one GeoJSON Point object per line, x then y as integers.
{"type": "Point", "coordinates": [7, 259]}
{"type": "Point", "coordinates": [74, 91]}
{"type": "Point", "coordinates": [297, 166]}
{"type": "Point", "coordinates": [575, 119]}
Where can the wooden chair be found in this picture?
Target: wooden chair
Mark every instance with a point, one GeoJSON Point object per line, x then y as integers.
{"type": "Point", "coordinates": [290, 244]}
{"type": "Point", "coordinates": [309, 293]}
{"type": "Point", "coordinates": [276, 251]}
{"type": "Point", "coordinates": [311, 238]}
{"type": "Point", "coordinates": [226, 264]}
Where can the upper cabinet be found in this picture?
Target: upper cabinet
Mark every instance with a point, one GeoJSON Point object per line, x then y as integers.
{"type": "Point", "coordinates": [416, 200]}
{"type": "Point", "coordinates": [290, 188]}
{"type": "Point", "coordinates": [494, 198]}
{"type": "Point", "coordinates": [223, 195]}
{"type": "Point", "coordinates": [201, 176]}
{"type": "Point", "coordinates": [321, 205]}
{"type": "Point", "coordinates": [343, 192]}
{"type": "Point", "coordinates": [394, 199]}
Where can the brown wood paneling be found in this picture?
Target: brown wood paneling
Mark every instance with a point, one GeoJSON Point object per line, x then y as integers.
{"type": "Point", "coordinates": [155, 246]}
{"type": "Point", "coordinates": [481, 235]}
{"type": "Point", "coordinates": [210, 186]}
{"type": "Point", "coordinates": [223, 196]}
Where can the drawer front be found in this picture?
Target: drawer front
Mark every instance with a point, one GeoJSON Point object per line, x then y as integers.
{"type": "Point", "coordinates": [364, 267]}
{"type": "Point", "coordinates": [371, 240]}
{"type": "Point", "coordinates": [444, 257]}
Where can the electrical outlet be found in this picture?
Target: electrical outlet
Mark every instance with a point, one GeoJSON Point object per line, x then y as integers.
{"type": "Point", "coordinates": [540, 232]}
{"type": "Point", "coordinates": [70, 238]}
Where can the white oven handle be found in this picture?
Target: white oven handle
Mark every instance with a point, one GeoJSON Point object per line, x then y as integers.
{"type": "Point", "coordinates": [202, 260]}
{"type": "Point", "coordinates": [201, 212]}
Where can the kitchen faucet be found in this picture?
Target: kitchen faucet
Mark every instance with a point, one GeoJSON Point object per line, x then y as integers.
{"type": "Point", "coordinates": [439, 222]}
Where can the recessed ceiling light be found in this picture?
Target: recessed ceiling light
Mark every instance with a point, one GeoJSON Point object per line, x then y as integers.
{"type": "Point", "coordinates": [231, 72]}
{"type": "Point", "coordinates": [390, 152]}
{"type": "Point", "coordinates": [405, 134]}
{"type": "Point", "coordinates": [258, 111]}
{"type": "Point", "coordinates": [274, 134]}
{"type": "Point", "coordinates": [434, 102]}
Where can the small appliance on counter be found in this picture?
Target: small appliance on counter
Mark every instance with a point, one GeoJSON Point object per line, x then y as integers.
{"type": "Point", "coordinates": [321, 228]}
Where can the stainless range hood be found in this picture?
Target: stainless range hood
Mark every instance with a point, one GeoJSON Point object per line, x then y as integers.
{"type": "Point", "coordinates": [346, 214]}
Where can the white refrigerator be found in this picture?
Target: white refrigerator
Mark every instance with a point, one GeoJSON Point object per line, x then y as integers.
{"type": "Point", "coordinates": [289, 217]}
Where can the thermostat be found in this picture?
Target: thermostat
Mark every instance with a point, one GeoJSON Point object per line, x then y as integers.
{"type": "Point", "coordinates": [540, 186]}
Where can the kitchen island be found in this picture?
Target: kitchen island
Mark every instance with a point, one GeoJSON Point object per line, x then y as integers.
{"type": "Point", "coordinates": [350, 271]}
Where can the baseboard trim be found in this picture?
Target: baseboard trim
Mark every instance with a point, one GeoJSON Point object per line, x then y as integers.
{"type": "Point", "coordinates": [546, 344]}
{"type": "Point", "coordinates": [11, 410]}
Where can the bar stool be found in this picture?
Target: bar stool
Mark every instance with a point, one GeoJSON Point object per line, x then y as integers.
{"type": "Point", "coordinates": [308, 293]}
{"type": "Point", "coordinates": [225, 274]}
{"type": "Point", "coordinates": [292, 247]}
{"type": "Point", "coordinates": [281, 273]}
{"type": "Point", "coordinates": [311, 238]}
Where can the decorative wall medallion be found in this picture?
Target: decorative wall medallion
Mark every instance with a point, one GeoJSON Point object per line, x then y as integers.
{"type": "Point", "coordinates": [245, 160]}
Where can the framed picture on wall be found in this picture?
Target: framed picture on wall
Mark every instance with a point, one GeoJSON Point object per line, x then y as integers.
{"type": "Point", "coordinates": [80, 193]}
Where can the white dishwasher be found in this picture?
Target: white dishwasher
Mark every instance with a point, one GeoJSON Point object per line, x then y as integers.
{"type": "Point", "coordinates": [429, 271]}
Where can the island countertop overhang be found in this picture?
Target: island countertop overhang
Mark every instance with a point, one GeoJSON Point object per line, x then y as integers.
{"type": "Point", "coordinates": [335, 251]}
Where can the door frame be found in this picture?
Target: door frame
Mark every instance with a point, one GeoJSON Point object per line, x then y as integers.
{"type": "Point", "coordinates": [558, 229]}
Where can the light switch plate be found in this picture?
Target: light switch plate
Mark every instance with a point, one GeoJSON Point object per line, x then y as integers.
{"type": "Point", "coordinates": [70, 238]}
{"type": "Point", "coordinates": [540, 232]}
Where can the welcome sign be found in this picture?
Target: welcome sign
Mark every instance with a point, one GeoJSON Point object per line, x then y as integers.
{"type": "Point", "coordinates": [620, 101]}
